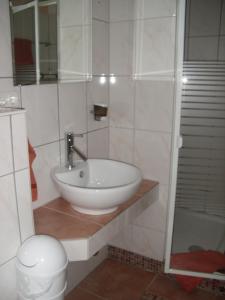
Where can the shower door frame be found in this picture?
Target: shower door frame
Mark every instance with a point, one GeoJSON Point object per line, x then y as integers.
{"type": "Point", "coordinates": [177, 144]}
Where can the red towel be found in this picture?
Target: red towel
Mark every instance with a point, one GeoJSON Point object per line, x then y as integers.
{"type": "Point", "coordinates": [23, 52]}
{"type": "Point", "coordinates": [199, 261]}
{"type": "Point", "coordinates": [32, 156]}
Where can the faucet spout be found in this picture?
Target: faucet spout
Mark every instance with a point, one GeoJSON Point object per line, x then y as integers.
{"type": "Point", "coordinates": [71, 148]}
{"type": "Point", "coordinates": [80, 154]}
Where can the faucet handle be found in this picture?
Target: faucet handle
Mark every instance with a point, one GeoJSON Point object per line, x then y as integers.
{"type": "Point", "coordinates": [71, 134]}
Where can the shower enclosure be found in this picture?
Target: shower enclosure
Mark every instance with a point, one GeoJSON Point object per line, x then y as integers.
{"type": "Point", "coordinates": [196, 222]}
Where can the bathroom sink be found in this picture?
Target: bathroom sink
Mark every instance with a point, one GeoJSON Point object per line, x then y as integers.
{"type": "Point", "coordinates": [97, 186]}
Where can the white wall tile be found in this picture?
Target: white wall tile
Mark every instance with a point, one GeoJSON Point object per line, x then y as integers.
{"type": "Point", "coordinates": [124, 240]}
{"type": "Point", "coordinates": [155, 56]}
{"type": "Point", "coordinates": [75, 12]}
{"type": "Point", "coordinates": [6, 160]}
{"type": "Point", "coordinates": [145, 9]}
{"type": "Point", "coordinates": [25, 211]}
{"type": "Point", "coordinates": [19, 138]}
{"type": "Point", "coordinates": [98, 143]}
{"type": "Point", "coordinates": [122, 103]}
{"type": "Point", "coordinates": [100, 56]}
{"type": "Point", "coordinates": [5, 36]}
{"type": "Point", "coordinates": [75, 52]}
{"type": "Point", "coordinates": [72, 108]}
{"type": "Point", "coordinates": [9, 94]}
{"type": "Point", "coordinates": [97, 93]}
{"type": "Point", "coordinates": [48, 156]}
{"type": "Point", "coordinates": [41, 103]}
{"type": "Point", "coordinates": [9, 226]}
{"type": "Point", "coordinates": [121, 48]}
{"type": "Point", "coordinates": [155, 216]}
{"type": "Point", "coordinates": [101, 9]}
{"type": "Point", "coordinates": [8, 280]}
{"type": "Point", "coordinates": [148, 242]}
{"type": "Point", "coordinates": [154, 105]}
{"type": "Point", "coordinates": [121, 144]}
{"type": "Point", "coordinates": [152, 155]}
{"type": "Point", "coordinates": [121, 10]}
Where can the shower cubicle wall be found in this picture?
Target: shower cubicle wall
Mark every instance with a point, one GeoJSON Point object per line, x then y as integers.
{"type": "Point", "coordinates": [201, 167]}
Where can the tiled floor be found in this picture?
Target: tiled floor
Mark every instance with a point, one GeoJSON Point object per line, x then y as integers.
{"type": "Point", "coordinates": [115, 281]}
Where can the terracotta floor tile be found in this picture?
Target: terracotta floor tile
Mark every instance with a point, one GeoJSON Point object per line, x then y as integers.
{"type": "Point", "coordinates": [62, 226]}
{"type": "Point", "coordinates": [162, 286]}
{"type": "Point", "coordinates": [116, 281]}
{"type": "Point", "coordinates": [80, 294]}
{"type": "Point", "coordinates": [166, 287]}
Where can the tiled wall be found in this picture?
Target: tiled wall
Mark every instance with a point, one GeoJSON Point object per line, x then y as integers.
{"type": "Point", "coordinates": [141, 107]}
{"type": "Point", "coordinates": [205, 33]}
{"type": "Point", "coordinates": [51, 110]}
{"type": "Point", "coordinates": [16, 222]}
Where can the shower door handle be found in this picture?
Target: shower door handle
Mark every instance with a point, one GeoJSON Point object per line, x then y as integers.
{"type": "Point", "coordinates": [179, 141]}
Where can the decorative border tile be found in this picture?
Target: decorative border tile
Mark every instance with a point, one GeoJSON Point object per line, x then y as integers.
{"type": "Point", "coordinates": [134, 259]}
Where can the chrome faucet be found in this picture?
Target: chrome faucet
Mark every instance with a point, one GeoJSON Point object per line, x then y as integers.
{"type": "Point", "coordinates": [70, 149]}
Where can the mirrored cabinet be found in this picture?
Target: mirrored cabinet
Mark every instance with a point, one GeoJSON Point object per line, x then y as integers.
{"type": "Point", "coordinates": [51, 40]}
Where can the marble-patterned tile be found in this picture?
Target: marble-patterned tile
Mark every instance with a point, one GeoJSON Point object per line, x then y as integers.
{"type": "Point", "coordinates": [154, 105]}
{"type": "Point", "coordinates": [48, 156]}
{"type": "Point", "coordinates": [19, 139]}
{"type": "Point", "coordinates": [75, 12]}
{"type": "Point", "coordinates": [155, 216]}
{"type": "Point", "coordinates": [8, 280]}
{"type": "Point", "coordinates": [146, 9]}
{"type": "Point", "coordinates": [121, 10]}
{"type": "Point", "coordinates": [25, 212]}
{"type": "Point", "coordinates": [41, 103]}
{"type": "Point", "coordinates": [124, 240]}
{"type": "Point", "coordinates": [121, 48]}
{"type": "Point", "coordinates": [72, 108]}
{"type": "Point", "coordinates": [155, 57]}
{"type": "Point", "coordinates": [5, 46]}
{"type": "Point", "coordinates": [148, 242]}
{"type": "Point", "coordinates": [122, 102]}
{"type": "Point", "coordinates": [121, 144]}
{"type": "Point", "coordinates": [97, 93]}
{"type": "Point", "coordinates": [152, 155]}
{"type": "Point", "coordinates": [75, 53]}
{"type": "Point", "coordinates": [98, 143]}
{"type": "Point", "coordinates": [100, 9]}
{"type": "Point", "coordinates": [6, 159]}
{"type": "Point", "coordinates": [100, 48]}
{"type": "Point", "coordinates": [9, 223]}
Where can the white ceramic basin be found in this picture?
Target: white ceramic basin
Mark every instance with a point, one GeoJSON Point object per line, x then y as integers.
{"type": "Point", "coordinates": [97, 186]}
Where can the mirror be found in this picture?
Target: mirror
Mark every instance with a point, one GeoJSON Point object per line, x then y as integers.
{"type": "Point", "coordinates": [196, 236]}
{"type": "Point", "coordinates": [50, 44]}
